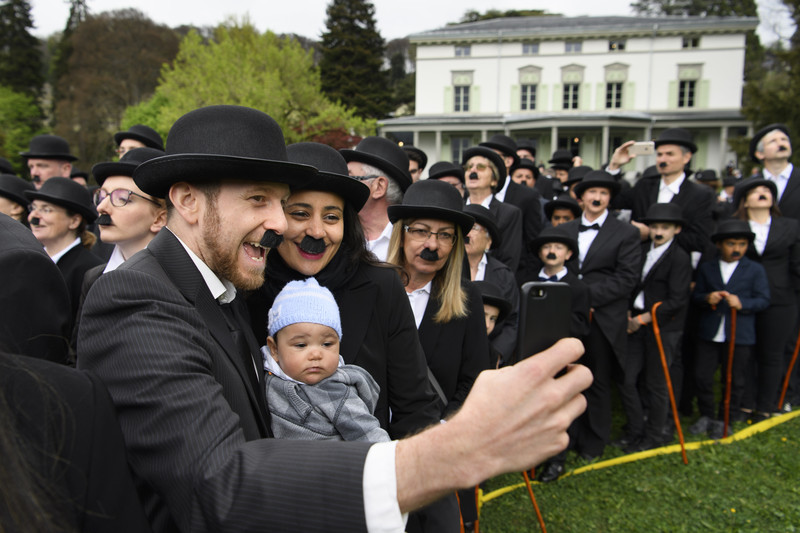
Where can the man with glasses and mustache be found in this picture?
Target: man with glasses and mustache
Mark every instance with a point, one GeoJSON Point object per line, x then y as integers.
{"type": "Point", "coordinates": [383, 166]}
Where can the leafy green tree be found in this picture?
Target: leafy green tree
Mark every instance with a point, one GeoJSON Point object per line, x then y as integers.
{"type": "Point", "coordinates": [20, 120]}
{"type": "Point", "coordinates": [20, 56]}
{"type": "Point", "coordinates": [473, 15]}
{"type": "Point", "coordinates": [696, 8]}
{"type": "Point", "coordinates": [78, 12]}
{"type": "Point", "coordinates": [352, 59]}
{"type": "Point", "coordinates": [244, 67]}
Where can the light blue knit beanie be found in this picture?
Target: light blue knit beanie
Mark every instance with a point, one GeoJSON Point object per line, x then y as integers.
{"type": "Point", "coordinates": [304, 301]}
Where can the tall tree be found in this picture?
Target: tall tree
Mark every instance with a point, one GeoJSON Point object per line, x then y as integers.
{"type": "Point", "coordinates": [20, 120]}
{"type": "Point", "coordinates": [241, 66]}
{"type": "Point", "coordinates": [352, 59]}
{"type": "Point", "coordinates": [401, 82]}
{"type": "Point", "coordinates": [115, 63]}
{"type": "Point", "coordinates": [20, 55]}
{"type": "Point", "coordinates": [78, 12]}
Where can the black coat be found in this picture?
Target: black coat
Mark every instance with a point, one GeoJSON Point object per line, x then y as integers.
{"type": "Point", "coordinates": [789, 203]}
{"type": "Point", "coordinates": [781, 260]}
{"type": "Point", "coordinates": [73, 266]}
{"type": "Point", "coordinates": [35, 312]}
{"type": "Point", "coordinates": [668, 281]}
{"type": "Point", "coordinates": [504, 336]}
{"type": "Point", "coordinates": [378, 334]}
{"type": "Point", "coordinates": [509, 222]}
{"type": "Point", "coordinates": [456, 351]}
{"type": "Point", "coordinates": [528, 201]}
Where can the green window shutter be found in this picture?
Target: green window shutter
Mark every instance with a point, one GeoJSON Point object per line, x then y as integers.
{"type": "Point", "coordinates": [542, 103]}
{"type": "Point", "coordinates": [703, 91]}
{"type": "Point", "coordinates": [628, 100]}
{"type": "Point", "coordinates": [672, 102]}
{"type": "Point", "coordinates": [558, 97]}
{"type": "Point", "coordinates": [516, 95]}
{"type": "Point", "coordinates": [449, 104]}
{"type": "Point", "coordinates": [585, 98]}
{"type": "Point", "coordinates": [474, 99]}
{"type": "Point", "coordinates": [600, 100]}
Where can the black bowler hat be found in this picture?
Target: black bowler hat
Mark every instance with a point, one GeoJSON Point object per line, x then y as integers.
{"type": "Point", "coordinates": [597, 178]}
{"type": "Point", "coordinates": [423, 158]}
{"type": "Point", "coordinates": [526, 144]}
{"type": "Point", "coordinates": [679, 136]}
{"type": "Point", "coordinates": [525, 163]}
{"type": "Point", "coordinates": [664, 212]}
{"type": "Point", "coordinates": [561, 160]}
{"type": "Point", "coordinates": [48, 147]}
{"type": "Point", "coordinates": [733, 228]}
{"type": "Point", "coordinates": [505, 144]}
{"type": "Point", "coordinates": [492, 156]}
{"type": "Point", "coordinates": [5, 166]}
{"type": "Point", "coordinates": [706, 176]}
{"type": "Point", "coordinates": [555, 234]}
{"type": "Point", "coordinates": [563, 201]}
{"type": "Point", "coordinates": [485, 218]}
{"type": "Point", "coordinates": [730, 181]}
{"type": "Point", "coordinates": [144, 134]}
{"type": "Point", "coordinates": [68, 194]}
{"type": "Point", "coordinates": [760, 135]}
{"type": "Point", "coordinates": [577, 174]}
{"type": "Point", "coordinates": [442, 169]}
{"type": "Point", "coordinates": [332, 172]}
{"type": "Point", "coordinates": [742, 187]}
{"type": "Point", "coordinates": [384, 154]}
{"type": "Point", "coordinates": [14, 187]}
{"type": "Point", "coordinates": [218, 143]}
{"type": "Point", "coordinates": [126, 165]}
{"type": "Point", "coordinates": [78, 173]}
{"type": "Point", "coordinates": [432, 199]}
{"type": "Point", "coordinates": [491, 295]}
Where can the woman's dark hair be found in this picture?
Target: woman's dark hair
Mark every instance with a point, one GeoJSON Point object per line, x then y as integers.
{"type": "Point", "coordinates": [88, 239]}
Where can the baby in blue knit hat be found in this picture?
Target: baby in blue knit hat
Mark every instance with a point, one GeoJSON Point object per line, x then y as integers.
{"type": "Point", "coordinates": [311, 393]}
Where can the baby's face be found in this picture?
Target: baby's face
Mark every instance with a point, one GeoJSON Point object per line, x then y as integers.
{"type": "Point", "coordinates": [306, 352]}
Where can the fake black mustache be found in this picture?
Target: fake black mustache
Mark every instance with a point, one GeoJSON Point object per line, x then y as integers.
{"type": "Point", "coordinates": [663, 164]}
{"type": "Point", "coordinates": [597, 203]}
{"type": "Point", "coordinates": [762, 197]}
{"type": "Point", "coordinates": [658, 237]}
{"type": "Point", "coordinates": [103, 220]}
{"type": "Point", "coordinates": [429, 255]}
{"type": "Point", "coordinates": [35, 221]}
{"type": "Point", "coordinates": [36, 179]}
{"type": "Point", "coordinates": [783, 148]}
{"type": "Point", "coordinates": [271, 239]}
{"type": "Point", "coordinates": [473, 175]}
{"type": "Point", "coordinates": [310, 245]}
{"type": "Point", "coordinates": [736, 254]}
{"type": "Point", "coordinates": [551, 256]}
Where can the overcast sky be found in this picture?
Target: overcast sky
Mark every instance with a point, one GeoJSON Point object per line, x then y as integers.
{"type": "Point", "coordinates": [396, 18]}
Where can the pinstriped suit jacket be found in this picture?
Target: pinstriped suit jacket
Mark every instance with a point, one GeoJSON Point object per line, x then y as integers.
{"type": "Point", "coordinates": [193, 424]}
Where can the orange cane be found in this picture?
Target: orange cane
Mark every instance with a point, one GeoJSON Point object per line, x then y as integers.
{"type": "Point", "coordinates": [657, 333]}
{"type": "Point", "coordinates": [731, 347]}
{"type": "Point", "coordinates": [478, 507]}
{"type": "Point", "coordinates": [789, 373]}
{"type": "Point", "coordinates": [533, 501]}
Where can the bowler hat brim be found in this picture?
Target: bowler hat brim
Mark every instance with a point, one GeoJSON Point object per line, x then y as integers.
{"type": "Point", "coordinates": [353, 191]}
{"type": "Point", "coordinates": [89, 214]}
{"type": "Point", "coordinates": [745, 186]}
{"type": "Point", "coordinates": [147, 141]}
{"type": "Point", "coordinates": [572, 244]}
{"type": "Point", "coordinates": [460, 218]}
{"type": "Point", "coordinates": [403, 178]}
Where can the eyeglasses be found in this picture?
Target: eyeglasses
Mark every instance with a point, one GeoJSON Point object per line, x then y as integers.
{"type": "Point", "coordinates": [45, 209]}
{"type": "Point", "coordinates": [479, 166]}
{"type": "Point", "coordinates": [420, 235]}
{"type": "Point", "coordinates": [367, 177]}
{"type": "Point", "coordinates": [119, 197]}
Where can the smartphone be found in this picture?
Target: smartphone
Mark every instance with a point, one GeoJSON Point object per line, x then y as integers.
{"type": "Point", "coordinates": [642, 148]}
{"type": "Point", "coordinates": [545, 315]}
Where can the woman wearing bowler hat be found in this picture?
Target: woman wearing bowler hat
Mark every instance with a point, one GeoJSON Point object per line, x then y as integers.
{"type": "Point", "coordinates": [428, 245]}
{"type": "Point", "coordinates": [777, 248]}
{"type": "Point", "coordinates": [59, 213]}
{"type": "Point", "coordinates": [12, 197]}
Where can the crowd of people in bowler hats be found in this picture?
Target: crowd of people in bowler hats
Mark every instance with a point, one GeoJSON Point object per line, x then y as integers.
{"type": "Point", "coordinates": [282, 324]}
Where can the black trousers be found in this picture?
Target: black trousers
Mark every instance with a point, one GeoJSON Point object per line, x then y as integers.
{"type": "Point", "coordinates": [775, 328]}
{"type": "Point", "coordinates": [643, 364]}
{"type": "Point", "coordinates": [711, 355]}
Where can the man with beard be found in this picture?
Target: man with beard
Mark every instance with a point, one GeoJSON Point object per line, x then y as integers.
{"type": "Point", "coordinates": [167, 332]}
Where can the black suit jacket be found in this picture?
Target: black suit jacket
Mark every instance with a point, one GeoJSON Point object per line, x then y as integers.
{"type": "Point", "coordinates": [668, 281]}
{"type": "Point", "coordinates": [781, 260]}
{"type": "Point", "coordinates": [509, 222]}
{"type": "Point", "coordinates": [789, 203]}
{"type": "Point", "coordinates": [528, 201]}
{"type": "Point", "coordinates": [610, 270]}
{"type": "Point", "coordinates": [696, 201]}
{"type": "Point", "coordinates": [456, 351]}
{"type": "Point", "coordinates": [68, 431]}
{"type": "Point", "coordinates": [504, 336]}
{"type": "Point", "coordinates": [73, 266]}
{"type": "Point", "coordinates": [192, 421]}
{"type": "Point", "coordinates": [35, 312]}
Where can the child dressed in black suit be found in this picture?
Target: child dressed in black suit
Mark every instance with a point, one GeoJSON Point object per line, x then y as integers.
{"type": "Point", "coordinates": [732, 282]}
{"type": "Point", "coordinates": [666, 275]}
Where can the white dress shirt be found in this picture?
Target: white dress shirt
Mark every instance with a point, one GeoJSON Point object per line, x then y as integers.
{"type": "Point", "coordinates": [761, 232]}
{"type": "Point", "coordinates": [781, 179]}
{"type": "Point", "coordinates": [667, 192]}
{"type": "Point", "coordinates": [560, 274]}
{"type": "Point", "coordinates": [114, 261]}
{"type": "Point", "coordinates": [726, 269]}
{"type": "Point", "coordinates": [586, 238]}
{"type": "Point", "coordinates": [501, 194]}
{"type": "Point", "coordinates": [419, 301]}
{"type": "Point", "coordinates": [61, 254]}
{"type": "Point", "coordinates": [481, 272]}
{"type": "Point", "coordinates": [380, 246]}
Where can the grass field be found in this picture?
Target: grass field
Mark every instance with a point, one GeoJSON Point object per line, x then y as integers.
{"type": "Point", "coordinates": [752, 484]}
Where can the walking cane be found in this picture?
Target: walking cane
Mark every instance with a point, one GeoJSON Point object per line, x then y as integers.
{"type": "Point", "coordinates": [731, 346]}
{"type": "Point", "coordinates": [657, 333]}
{"type": "Point", "coordinates": [533, 501]}
{"type": "Point", "coordinates": [789, 373]}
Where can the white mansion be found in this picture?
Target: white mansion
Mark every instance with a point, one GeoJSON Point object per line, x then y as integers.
{"type": "Point", "coordinates": [583, 83]}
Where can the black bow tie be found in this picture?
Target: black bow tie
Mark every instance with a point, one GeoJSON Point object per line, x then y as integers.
{"type": "Point", "coordinates": [551, 278]}
{"type": "Point", "coordinates": [587, 228]}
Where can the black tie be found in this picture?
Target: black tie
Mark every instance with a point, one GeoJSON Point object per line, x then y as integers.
{"type": "Point", "coordinates": [551, 278]}
{"type": "Point", "coordinates": [583, 228]}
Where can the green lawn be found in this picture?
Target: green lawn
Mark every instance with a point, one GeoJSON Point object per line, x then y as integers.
{"type": "Point", "coordinates": [752, 484]}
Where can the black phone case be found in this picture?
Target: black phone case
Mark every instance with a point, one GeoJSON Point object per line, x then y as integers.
{"type": "Point", "coordinates": [545, 314]}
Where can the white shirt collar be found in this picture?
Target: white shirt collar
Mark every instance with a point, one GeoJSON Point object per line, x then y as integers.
{"type": "Point", "coordinates": [599, 220]}
{"type": "Point", "coordinates": [675, 186]}
{"type": "Point", "coordinates": [221, 290]}
{"type": "Point", "coordinates": [480, 275]}
{"type": "Point", "coordinates": [114, 261]}
{"type": "Point", "coordinates": [785, 174]}
{"type": "Point", "coordinates": [380, 246]}
{"type": "Point", "coordinates": [560, 274]}
{"type": "Point", "coordinates": [501, 194]}
{"type": "Point", "coordinates": [61, 254]}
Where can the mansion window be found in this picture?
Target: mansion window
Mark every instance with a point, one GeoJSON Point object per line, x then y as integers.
{"type": "Point", "coordinates": [573, 47]}
{"type": "Point", "coordinates": [616, 45]}
{"type": "Point", "coordinates": [528, 92]}
{"type": "Point", "coordinates": [459, 145]}
{"type": "Point", "coordinates": [529, 49]}
{"type": "Point", "coordinates": [461, 98]}
{"type": "Point", "coordinates": [686, 93]}
{"type": "Point", "coordinates": [691, 42]}
{"type": "Point", "coordinates": [571, 96]}
{"type": "Point", "coordinates": [463, 50]}
{"type": "Point", "coordinates": [613, 95]}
